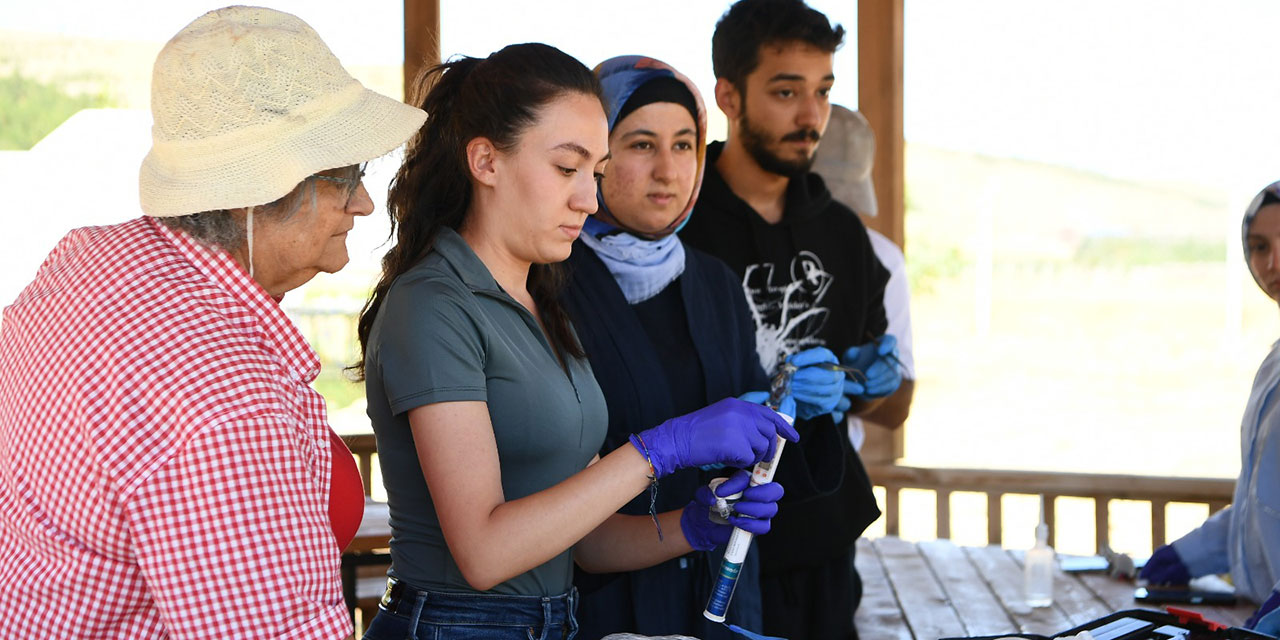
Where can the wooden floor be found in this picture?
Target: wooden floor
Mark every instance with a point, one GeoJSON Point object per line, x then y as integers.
{"type": "Point", "coordinates": [935, 589]}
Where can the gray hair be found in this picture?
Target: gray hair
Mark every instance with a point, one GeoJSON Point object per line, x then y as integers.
{"type": "Point", "coordinates": [219, 229]}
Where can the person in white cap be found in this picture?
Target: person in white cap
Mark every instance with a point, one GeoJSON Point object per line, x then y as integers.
{"type": "Point", "coordinates": [166, 471]}
{"type": "Point", "coordinates": [844, 161]}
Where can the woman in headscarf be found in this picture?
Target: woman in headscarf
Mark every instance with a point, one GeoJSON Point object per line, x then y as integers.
{"type": "Point", "coordinates": [1244, 538]}
{"type": "Point", "coordinates": [667, 330]}
{"type": "Point", "coordinates": [166, 469]}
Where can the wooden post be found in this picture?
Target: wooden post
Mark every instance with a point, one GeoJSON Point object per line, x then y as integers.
{"type": "Point", "coordinates": [995, 518]}
{"type": "Point", "coordinates": [1051, 517]}
{"type": "Point", "coordinates": [1157, 523]}
{"type": "Point", "coordinates": [421, 40]}
{"type": "Point", "coordinates": [880, 84]}
{"type": "Point", "coordinates": [1102, 522]}
{"type": "Point", "coordinates": [943, 527]}
{"type": "Point", "coordinates": [891, 510]}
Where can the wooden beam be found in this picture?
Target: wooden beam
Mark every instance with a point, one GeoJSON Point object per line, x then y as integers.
{"type": "Point", "coordinates": [421, 40]}
{"type": "Point", "coordinates": [1214, 491]}
{"type": "Point", "coordinates": [880, 100]}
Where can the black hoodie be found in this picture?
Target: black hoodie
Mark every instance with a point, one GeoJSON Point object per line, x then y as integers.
{"type": "Point", "coordinates": [810, 280]}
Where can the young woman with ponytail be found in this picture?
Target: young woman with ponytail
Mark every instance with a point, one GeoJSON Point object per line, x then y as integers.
{"type": "Point", "coordinates": [487, 415]}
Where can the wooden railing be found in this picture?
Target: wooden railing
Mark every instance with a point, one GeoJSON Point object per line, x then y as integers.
{"type": "Point", "coordinates": [1102, 488]}
{"type": "Point", "coordinates": [364, 446]}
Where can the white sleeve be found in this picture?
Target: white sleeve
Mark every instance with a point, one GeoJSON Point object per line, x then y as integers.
{"type": "Point", "coordinates": [897, 297]}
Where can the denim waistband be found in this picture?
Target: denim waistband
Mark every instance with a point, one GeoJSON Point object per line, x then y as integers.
{"type": "Point", "coordinates": [447, 607]}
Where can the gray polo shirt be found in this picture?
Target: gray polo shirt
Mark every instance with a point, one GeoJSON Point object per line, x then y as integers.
{"type": "Point", "coordinates": [446, 333]}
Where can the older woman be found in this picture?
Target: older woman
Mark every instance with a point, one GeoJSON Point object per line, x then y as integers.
{"type": "Point", "coordinates": [1244, 538]}
{"type": "Point", "coordinates": [667, 330]}
{"type": "Point", "coordinates": [166, 471]}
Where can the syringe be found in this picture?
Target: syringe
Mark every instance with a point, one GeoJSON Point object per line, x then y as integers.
{"type": "Point", "coordinates": [740, 541]}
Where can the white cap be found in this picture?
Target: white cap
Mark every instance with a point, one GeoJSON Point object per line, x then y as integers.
{"type": "Point", "coordinates": [844, 159]}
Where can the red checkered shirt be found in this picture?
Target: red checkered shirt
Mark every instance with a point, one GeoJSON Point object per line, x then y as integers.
{"type": "Point", "coordinates": [164, 463]}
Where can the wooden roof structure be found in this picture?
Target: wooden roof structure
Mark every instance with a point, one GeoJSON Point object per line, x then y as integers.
{"type": "Point", "coordinates": [879, 90]}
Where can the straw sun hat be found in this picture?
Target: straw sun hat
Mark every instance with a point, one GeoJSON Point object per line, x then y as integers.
{"type": "Point", "coordinates": [247, 102]}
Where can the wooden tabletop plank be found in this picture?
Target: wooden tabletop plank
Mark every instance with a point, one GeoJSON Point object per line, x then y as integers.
{"type": "Point", "coordinates": [1004, 576]}
{"type": "Point", "coordinates": [1076, 601]}
{"type": "Point", "coordinates": [1118, 595]}
{"type": "Point", "coordinates": [977, 606]}
{"type": "Point", "coordinates": [375, 529]}
{"type": "Point", "coordinates": [924, 603]}
{"type": "Point", "coordinates": [878, 615]}
{"type": "Point", "coordinates": [1231, 615]}
{"type": "Point", "coordinates": [928, 590]}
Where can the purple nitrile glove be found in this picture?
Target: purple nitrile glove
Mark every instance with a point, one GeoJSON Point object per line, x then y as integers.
{"type": "Point", "coordinates": [1267, 618]}
{"type": "Point", "coordinates": [730, 432]}
{"type": "Point", "coordinates": [758, 397]}
{"type": "Point", "coordinates": [816, 390]}
{"type": "Point", "coordinates": [752, 512]}
{"type": "Point", "coordinates": [788, 406]}
{"type": "Point", "coordinates": [1165, 567]}
{"type": "Point", "coordinates": [878, 362]}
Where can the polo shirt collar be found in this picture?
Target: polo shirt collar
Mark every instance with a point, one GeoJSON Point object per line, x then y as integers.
{"type": "Point", "coordinates": [280, 334]}
{"type": "Point", "coordinates": [473, 272]}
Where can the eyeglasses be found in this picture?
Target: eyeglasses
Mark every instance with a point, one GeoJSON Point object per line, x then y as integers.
{"type": "Point", "coordinates": [352, 184]}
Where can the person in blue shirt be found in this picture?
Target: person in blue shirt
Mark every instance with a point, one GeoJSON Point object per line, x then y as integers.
{"type": "Point", "coordinates": [1244, 538]}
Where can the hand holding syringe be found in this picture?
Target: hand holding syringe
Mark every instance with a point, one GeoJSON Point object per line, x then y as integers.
{"type": "Point", "coordinates": [740, 541]}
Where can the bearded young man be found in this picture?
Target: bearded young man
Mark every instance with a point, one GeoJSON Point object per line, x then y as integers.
{"type": "Point", "coordinates": [811, 279]}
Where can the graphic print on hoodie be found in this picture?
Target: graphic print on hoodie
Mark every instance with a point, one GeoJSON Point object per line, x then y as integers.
{"type": "Point", "coordinates": [788, 307]}
{"type": "Point", "coordinates": [810, 280]}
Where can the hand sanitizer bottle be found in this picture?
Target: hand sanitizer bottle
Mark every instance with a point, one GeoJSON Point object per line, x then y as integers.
{"type": "Point", "coordinates": [1038, 584]}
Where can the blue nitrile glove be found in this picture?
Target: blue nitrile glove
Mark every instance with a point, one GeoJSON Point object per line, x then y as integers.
{"type": "Point", "coordinates": [730, 432]}
{"type": "Point", "coordinates": [878, 362]}
{"type": "Point", "coordinates": [816, 390]}
{"type": "Point", "coordinates": [751, 513]}
{"type": "Point", "coordinates": [841, 407]}
{"type": "Point", "coordinates": [1267, 618]}
{"type": "Point", "coordinates": [1165, 567]}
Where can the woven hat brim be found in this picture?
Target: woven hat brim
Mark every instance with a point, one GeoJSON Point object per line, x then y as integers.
{"type": "Point", "coordinates": [257, 165]}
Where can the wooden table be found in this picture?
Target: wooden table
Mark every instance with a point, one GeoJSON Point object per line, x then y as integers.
{"type": "Point", "coordinates": [375, 529]}
{"type": "Point", "coordinates": [367, 549]}
{"type": "Point", "coordinates": [935, 589]}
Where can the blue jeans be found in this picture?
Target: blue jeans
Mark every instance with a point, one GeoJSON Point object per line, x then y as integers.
{"type": "Point", "coordinates": [439, 615]}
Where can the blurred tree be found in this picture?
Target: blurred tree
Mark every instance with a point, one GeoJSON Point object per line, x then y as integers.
{"type": "Point", "coordinates": [30, 109]}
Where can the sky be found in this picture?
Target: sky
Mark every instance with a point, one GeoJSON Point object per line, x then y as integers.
{"type": "Point", "coordinates": [1166, 90]}
{"type": "Point", "coordinates": [1170, 91]}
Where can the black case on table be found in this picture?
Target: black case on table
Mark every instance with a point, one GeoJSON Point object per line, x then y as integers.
{"type": "Point", "coordinates": [1198, 628]}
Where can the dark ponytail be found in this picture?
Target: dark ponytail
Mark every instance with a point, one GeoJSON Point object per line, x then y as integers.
{"type": "Point", "coordinates": [498, 98]}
